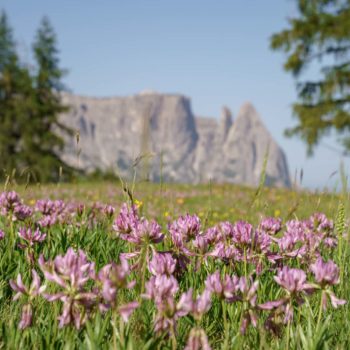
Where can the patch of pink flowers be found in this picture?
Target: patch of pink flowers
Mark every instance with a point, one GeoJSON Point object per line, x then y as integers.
{"type": "Point", "coordinates": [232, 261]}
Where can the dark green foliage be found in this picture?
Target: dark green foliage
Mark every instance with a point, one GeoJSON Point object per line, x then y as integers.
{"type": "Point", "coordinates": [29, 107]}
{"type": "Point", "coordinates": [7, 45]}
{"type": "Point", "coordinates": [15, 86]}
{"type": "Point", "coordinates": [320, 34]}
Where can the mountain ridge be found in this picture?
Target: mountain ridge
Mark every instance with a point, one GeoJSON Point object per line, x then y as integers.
{"type": "Point", "coordinates": [113, 131]}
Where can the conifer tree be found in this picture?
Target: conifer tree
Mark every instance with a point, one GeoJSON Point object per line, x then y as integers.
{"type": "Point", "coordinates": [7, 59]}
{"type": "Point", "coordinates": [319, 35]}
{"type": "Point", "coordinates": [42, 140]}
{"type": "Point", "coordinates": [15, 100]}
{"type": "Point", "coordinates": [30, 103]}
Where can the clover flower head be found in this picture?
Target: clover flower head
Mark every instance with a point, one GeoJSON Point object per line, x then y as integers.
{"type": "Point", "coordinates": [247, 288]}
{"type": "Point", "coordinates": [271, 225]}
{"type": "Point", "coordinates": [201, 304]}
{"type": "Point", "coordinates": [222, 287]}
{"type": "Point", "coordinates": [8, 202]}
{"type": "Point", "coordinates": [108, 288]}
{"type": "Point", "coordinates": [294, 283]}
{"type": "Point", "coordinates": [292, 280]}
{"type": "Point", "coordinates": [127, 220]}
{"type": "Point", "coordinates": [226, 231]}
{"type": "Point", "coordinates": [29, 293]}
{"type": "Point", "coordinates": [319, 222]}
{"type": "Point", "coordinates": [224, 251]}
{"type": "Point", "coordinates": [52, 211]}
{"type": "Point", "coordinates": [161, 287]}
{"type": "Point", "coordinates": [287, 242]}
{"type": "Point", "coordinates": [59, 206]}
{"type": "Point", "coordinates": [78, 209]}
{"type": "Point", "coordinates": [326, 273]}
{"type": "Point", "coordinates": [48, 220]}
{"type": "Point", "coordinates": [201, 244]}
{"type": "Point", "coordinates": [113, 277]}
{"type": "Point", "coordinates": [45, 206]}
{"type": "Point", "coordinates": [261, 241]}
{"type": "Point", "coordinates": [147, 231]}
{"type": "Point", "coordinates": [108, 210]}
{"type": "Point", "coordinates": [162, 264]}
{"type": "Point", "coordinates": [32, 291]}
{"type": "Point", "coordinates": [71, 272]}
{"type": "Point", "coordinates": [22, 212]}
{"type": "Point", "coordinates": [185, 228]}
{"type": "Point", "coordinates": [242, 233]}
{"type": "Point", "coordinates": [31, 236]}
{"type": "Point", "coordinates": [212, 235]}
{"type": "Point", "coordinates": [168, 310]}
{"type": "Point", "coordinates": [297, 229]}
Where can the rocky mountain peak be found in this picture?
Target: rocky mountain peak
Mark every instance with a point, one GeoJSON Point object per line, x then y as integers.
{"type": "Point", "coordinates": [247, 144]}
{"type": "Point", "coordinates": [163, 130]}
{"type": "Point", "coordinates": [248, 117]}
{"type": "Point", "coordinates": [225, 123]}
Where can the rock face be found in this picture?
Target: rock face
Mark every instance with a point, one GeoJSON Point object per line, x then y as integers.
{"type": "Point", "coordinates": [157, 135]}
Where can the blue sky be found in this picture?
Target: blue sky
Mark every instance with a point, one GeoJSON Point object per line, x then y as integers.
{"type": "Point", "coordinates": [216, 52]}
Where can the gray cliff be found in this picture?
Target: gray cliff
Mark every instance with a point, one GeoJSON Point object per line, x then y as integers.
{"type": "Point", "coordinates": [158, 134]}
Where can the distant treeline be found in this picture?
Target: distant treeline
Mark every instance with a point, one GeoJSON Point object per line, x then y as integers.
{"type": "Point", "coordinates": [29, 107]}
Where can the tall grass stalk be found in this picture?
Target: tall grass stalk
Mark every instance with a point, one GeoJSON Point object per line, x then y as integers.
{"type": "Point", "coordinates": [226, 326]}
{"type": "Point", "coordinates": [262, 180]}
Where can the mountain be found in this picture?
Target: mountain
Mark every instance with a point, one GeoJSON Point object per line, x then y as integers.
{"type": "Point", "coordinates": [157, 135]}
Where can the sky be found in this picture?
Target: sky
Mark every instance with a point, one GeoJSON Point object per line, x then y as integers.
{"type": "Point", "coordinates": [215, 52]}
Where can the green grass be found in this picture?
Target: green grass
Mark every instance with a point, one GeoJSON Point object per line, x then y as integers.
{"type": "Point", "coordinates": [213, 204]}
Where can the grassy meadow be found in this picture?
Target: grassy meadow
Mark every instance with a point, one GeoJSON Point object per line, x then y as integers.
{"type": "Point", "coordinates": [211, 202]}
{"type": "Point", "coordinates": [181, 286]}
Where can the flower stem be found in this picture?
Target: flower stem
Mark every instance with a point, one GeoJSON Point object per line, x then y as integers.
{"type": "Point", "coordinates": [226, 329]}
{"type": "Point", "coordinates": [173, 339]}
{"type": "Point", "coordinates": [245, 263]}
{"type": "Point", "coordinates": [144, 255]}
{"type": "Point", "coordinates": [320, 311]}
{"type": "Point", "coordinates": [288, 333]}
{"type": "Point", "coordinates": [12, 233]}
{"type": "Point", "coordinates": [121, 332]}
{"type": "Point", "coordinates": [114, 323]}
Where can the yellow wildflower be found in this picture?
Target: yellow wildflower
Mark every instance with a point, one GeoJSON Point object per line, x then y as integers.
{"type": "Point", "coordinates": [138, 203]}
{"type": "Point", "coordinates": [180, 201]}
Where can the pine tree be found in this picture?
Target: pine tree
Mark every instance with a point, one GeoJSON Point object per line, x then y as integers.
{"type": "Point", "coordinates": [7, 59]}
{"type": "Point", "coordinates": [29, 107]}
{"type": "Point", "coordinates": [42, 140]}
{"type": "Point", "coordinates": [320, 34]}
{"type": "Point", "coordinates": [7, 44]}
{"type": "Point", "coordinates": [15, 100]}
